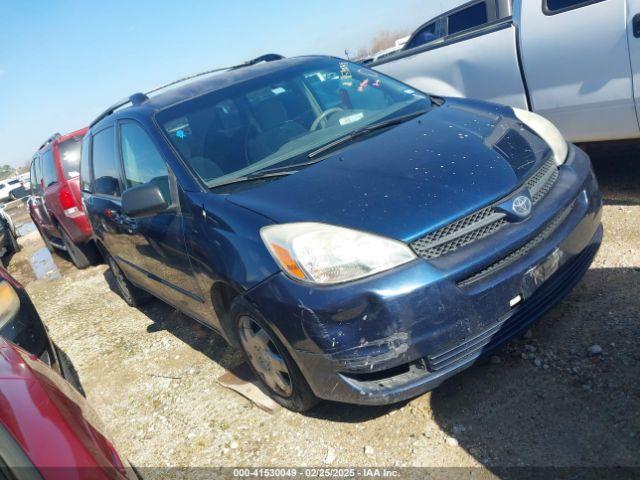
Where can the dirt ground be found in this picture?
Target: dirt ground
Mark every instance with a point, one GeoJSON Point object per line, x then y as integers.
{"type": "Point", "coordinates": [545, 400]}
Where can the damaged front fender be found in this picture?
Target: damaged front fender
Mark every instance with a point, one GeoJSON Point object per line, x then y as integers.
{"type": "Point", "coordinates": [364, 326]}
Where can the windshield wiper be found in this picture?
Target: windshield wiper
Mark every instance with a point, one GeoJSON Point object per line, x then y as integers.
{"type": "Point", "coordinates": [251, 177]}
{"type": "Point", "coordinates": [285, 169]}
{"type": "Point", "coordinates": [364, 131]}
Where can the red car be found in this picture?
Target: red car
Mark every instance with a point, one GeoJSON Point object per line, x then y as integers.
{"type": "Point", "coordinates": [55, 205]}
{"type": "Point", "coordinates": [47, 429]}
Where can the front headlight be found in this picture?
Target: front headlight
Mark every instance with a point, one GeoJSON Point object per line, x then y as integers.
{"type": "Point", "coordinates": [325, 254]}
{"type": "Point", "coordinates": [547, 131]}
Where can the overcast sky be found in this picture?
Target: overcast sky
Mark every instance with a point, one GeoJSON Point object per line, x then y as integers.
{"type": "Point", "coordinates": [63, 62]}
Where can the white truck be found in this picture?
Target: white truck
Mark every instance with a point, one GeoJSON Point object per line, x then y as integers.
{"type": "Point", "coordinates": [577, 62]}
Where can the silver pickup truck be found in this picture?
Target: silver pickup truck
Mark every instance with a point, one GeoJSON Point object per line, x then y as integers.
{"type": "Point", "coordinates": [577, 62]}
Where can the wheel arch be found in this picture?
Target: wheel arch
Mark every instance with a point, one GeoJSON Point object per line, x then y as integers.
{"type": "Point", "coordinates": [222, 296]}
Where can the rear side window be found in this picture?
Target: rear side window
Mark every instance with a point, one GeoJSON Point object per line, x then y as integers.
{"type": "Point", "coordinates": [105, 165]}
{"type": "Point", "coordinates": [471, 17]}
{"type": "Point", "coordinates": [426, 34]}
{"type": "Point", "coordinates": [32, 174]}
{"type": "Point", "coordinates": [49, 172]}
{"type": "Point", "coordinates": [142, 162]}
{"type": "Point", "coordinates": [553, 6]}
{"type": "Point", "coordinates": [70, 157]}
{"type": "Point", "coordinates": [85, 170]}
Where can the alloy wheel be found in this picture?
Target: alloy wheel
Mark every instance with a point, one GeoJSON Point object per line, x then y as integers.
{"type": "Point", "coordinates": [265, 357]}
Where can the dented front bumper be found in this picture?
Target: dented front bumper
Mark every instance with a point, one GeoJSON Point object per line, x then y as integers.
{"type": "Point", "coordinates": [396, 335]}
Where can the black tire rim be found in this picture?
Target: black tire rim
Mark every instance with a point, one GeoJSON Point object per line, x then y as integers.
{"type": "Point", "coordinates": [265, 357]}
{"type": "Point", "coordinates": [120, 280]}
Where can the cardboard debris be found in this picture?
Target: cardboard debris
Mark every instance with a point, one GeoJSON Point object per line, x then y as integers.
{"type": "Point", "coordinates": [243, 381]}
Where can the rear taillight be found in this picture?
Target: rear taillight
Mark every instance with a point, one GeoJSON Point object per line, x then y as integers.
{"type": "Point", "coordinates": [67, 202]}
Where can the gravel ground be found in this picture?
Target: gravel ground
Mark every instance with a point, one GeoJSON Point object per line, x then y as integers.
{"type": "Point", "coordinates": [566, 394]}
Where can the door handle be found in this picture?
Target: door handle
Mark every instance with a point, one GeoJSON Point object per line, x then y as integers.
{"type": "Point", "coordinates": [636, 25]}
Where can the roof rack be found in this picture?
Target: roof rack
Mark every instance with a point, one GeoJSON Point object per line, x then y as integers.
{"type": "Point", "coordinates": [140, 98]}
{"type": "Point", "coordinates": [49, 140]}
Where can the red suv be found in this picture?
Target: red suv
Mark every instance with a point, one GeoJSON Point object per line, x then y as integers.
{"type": "Point", "coordinates": [55, 204]}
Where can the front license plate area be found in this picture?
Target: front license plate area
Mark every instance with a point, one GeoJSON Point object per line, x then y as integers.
{"type": "Point", "coordinates": [539, 274]}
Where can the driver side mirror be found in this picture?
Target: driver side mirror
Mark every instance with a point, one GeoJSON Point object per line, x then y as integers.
{"type": "Point", "coordinates": [143, 200]}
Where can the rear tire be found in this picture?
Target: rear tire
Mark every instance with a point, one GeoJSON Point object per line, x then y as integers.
{"type": "Point", "coordinates": [131, 294]}
{"type": "Point", "coordinates": [45, 240]}
{"type": "Point", "coordinates": [83, 255]}
{"type": "Point", "coordinates": [270, 360]}
{"type": "Point", "coordinates": [12, 245]}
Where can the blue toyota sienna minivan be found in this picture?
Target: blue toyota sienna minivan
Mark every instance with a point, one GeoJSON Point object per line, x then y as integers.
{"type": "Point", "coordinates": [359, 240]}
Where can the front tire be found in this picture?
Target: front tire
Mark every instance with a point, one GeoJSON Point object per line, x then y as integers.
{"type": "Point", "coordinates": [270, 360]}
{"type": "Point", "coordinates": [131, 294]}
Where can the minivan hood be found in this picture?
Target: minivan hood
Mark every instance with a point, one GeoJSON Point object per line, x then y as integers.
{"type": "Point", "coordinates": [410, 179]}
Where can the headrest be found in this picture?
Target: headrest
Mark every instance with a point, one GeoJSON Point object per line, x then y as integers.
{"type": "Point", "coordinates": [270, 114]}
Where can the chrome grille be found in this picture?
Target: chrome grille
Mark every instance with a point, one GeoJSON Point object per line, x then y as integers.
{"type": "Point", "coordinates": [484, 222]}
{"type": "Point", "coordinates": [548, 230]}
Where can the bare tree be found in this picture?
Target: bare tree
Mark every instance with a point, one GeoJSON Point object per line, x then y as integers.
{"type": "Point", "coordinates": [26, 167]}
{"type": "Point", "coordinates": [362, 52]}
{"type": "Point", "coordinates": [381, 41]}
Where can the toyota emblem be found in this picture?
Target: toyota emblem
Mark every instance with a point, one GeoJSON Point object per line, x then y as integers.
{"type": "Point", "coordinates": [522, 206]}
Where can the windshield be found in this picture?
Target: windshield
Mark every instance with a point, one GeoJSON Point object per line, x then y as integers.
{"type": "Point", "coordinates": [70, 156]}
{"type": "Point", "coordinates": [270, 121]}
